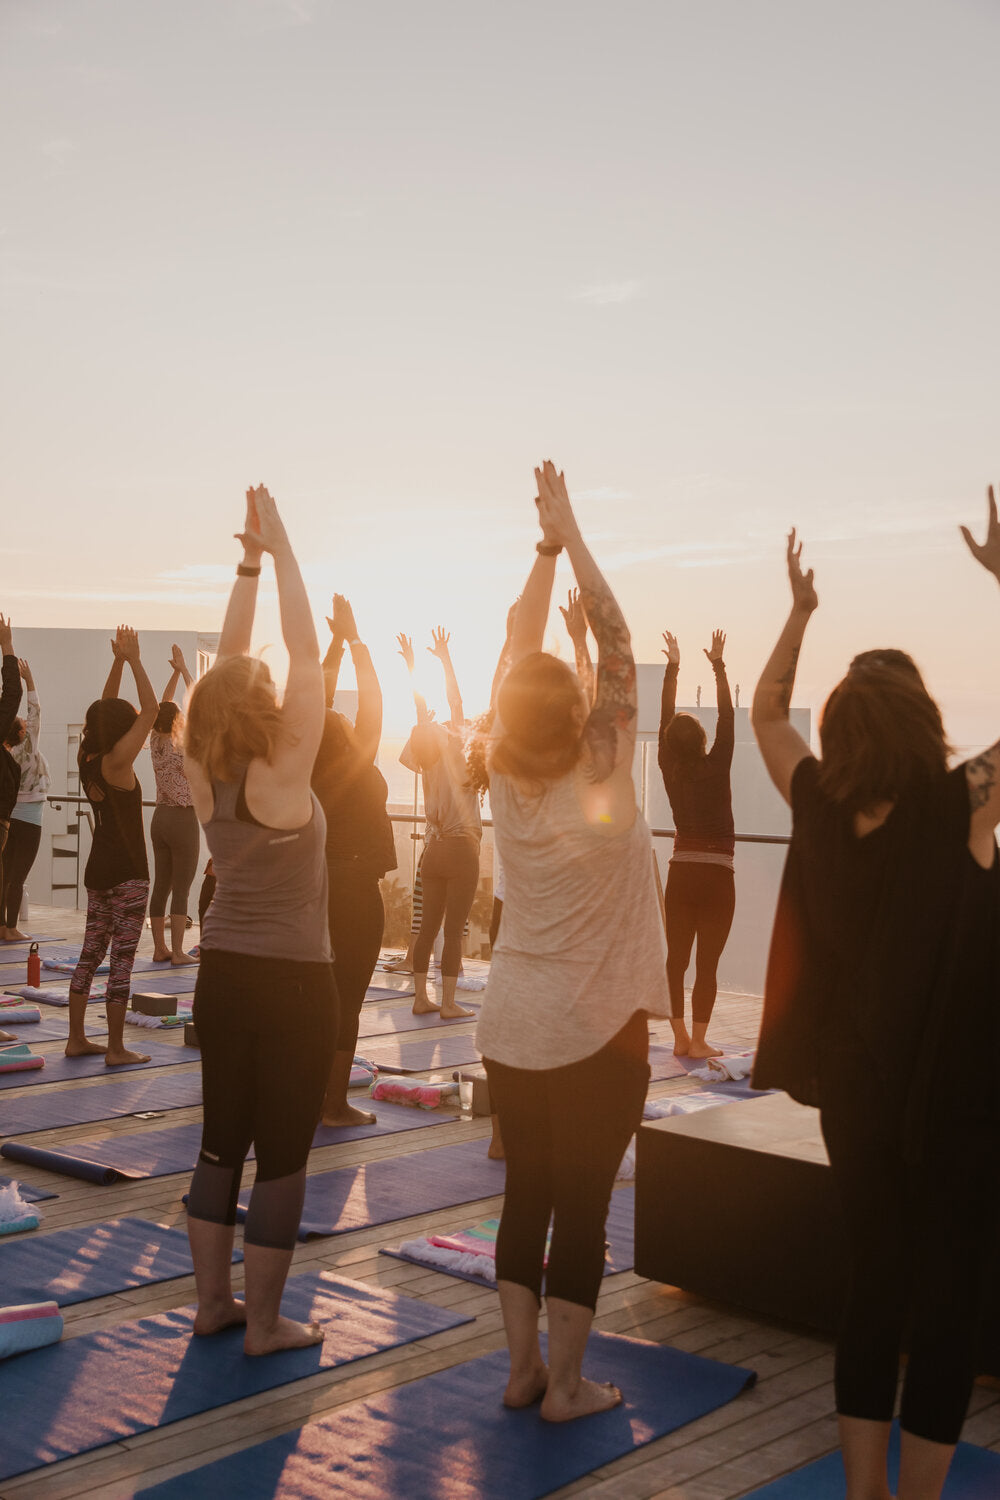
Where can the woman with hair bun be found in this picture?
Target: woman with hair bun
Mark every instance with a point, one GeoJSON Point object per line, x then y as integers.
{"type": "Point", "coordinates": [174, 829]}
{"type": "Point", "coordinates": [578, 967]}
{"type": "Point", "coordinates": [886, 948]}
{"type": "Point", "coordinates": [700, 898]}
{"type": "Point", "coordinates": [117, 872]}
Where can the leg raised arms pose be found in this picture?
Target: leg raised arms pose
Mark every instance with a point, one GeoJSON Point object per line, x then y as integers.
{"type": "Point", "coordinates": [563, 1027]}
{"type": "Point", "coordinates": [700, 897]}
{"type": "Point", "coordinates": [885, 940]}
{"type": "Point", "coordinates": [174, 829]}
{"type": "Point", "coordinates": [359, 848]}
{"type": "Point", "coordinates": [117, 873]}
{"type": "Point", "coordinates": [26, 815]}
{"type": "Point", "coordinates": [265, 1004]}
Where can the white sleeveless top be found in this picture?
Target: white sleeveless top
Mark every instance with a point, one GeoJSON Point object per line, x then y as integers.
{"type": "Point", "coordinates": [581, 944]}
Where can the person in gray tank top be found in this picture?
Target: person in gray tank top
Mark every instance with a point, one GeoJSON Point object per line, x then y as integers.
{"type": "Point", "coordinates": [265, 1005]}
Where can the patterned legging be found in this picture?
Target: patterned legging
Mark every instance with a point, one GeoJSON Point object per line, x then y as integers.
{"type": "Point", "coordinates": [114, 917]}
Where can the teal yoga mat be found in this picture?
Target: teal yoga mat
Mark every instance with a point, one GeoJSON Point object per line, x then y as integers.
{"type": "Point", "coordinates": [83, 1393]}
{"type": "Point", "coordinates": [76, 1265]}
{"type": "Point", "coordinates": [974, 1475]}
{"type": "Point", "coordinates": [449, 1437]}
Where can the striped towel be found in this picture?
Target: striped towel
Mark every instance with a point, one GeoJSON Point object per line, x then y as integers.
{"type": "Point", "coordinates": [19, 1059]}
{"type": "Point", "coordinates": [30, 1325]}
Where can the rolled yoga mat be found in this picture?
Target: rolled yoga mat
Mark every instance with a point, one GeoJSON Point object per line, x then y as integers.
{"type": "Point", "coordinates": [379, 1192]}
{"type": "Point", "coordinates": [106, 1386]}
{"type": "Point", "coordinates": [29, 1326]}
{"type": "Point", "coordinates": [974, 1475]}
{"type": "Point", "coordinates": [59, 1068]}
{"type": "Point", "coordinates": [50, 1109]}
{"type": "Point", "coordinates": [449, 1437]}
{"type": "Point", "coordinates": [17, 1058]}
{"type": "Point", "coordinates": [96, 1260]}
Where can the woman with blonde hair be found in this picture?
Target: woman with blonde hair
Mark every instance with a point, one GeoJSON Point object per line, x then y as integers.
{"type": "Point", "coordinates": [578, 967]}
{"type": "Point", "coordinates": [265, 1004]}
{"type": "Point", "coordinates": [886, 947]}
{"type": "Point", "coordinates": [174, 828]}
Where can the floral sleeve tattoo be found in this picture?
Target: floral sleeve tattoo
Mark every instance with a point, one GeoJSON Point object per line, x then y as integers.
{"type": "Point", "coordinates": [786, 683]}
{"type": "Point", "coordinates": [614, 708]}
{"type": "Point", "coordinates": [982, 777]}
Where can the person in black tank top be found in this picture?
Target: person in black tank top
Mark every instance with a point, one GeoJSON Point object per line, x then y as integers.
{"type": "Point", "coordinates": [117, 872]}
{"type": "Point", "coordinates": [359, 848]}
{"type": "Point", "coordinates": [885, 946]}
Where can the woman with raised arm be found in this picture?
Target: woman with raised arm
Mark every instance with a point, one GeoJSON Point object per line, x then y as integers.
{"type": "Point", "coordinates": [265, 1005]}
{"type": "Point", "coordinates": [449, 868]}
{"type": "Point", "coordinates": [174, 830]}
{"type": "Point", "coordinates": [886, 947]}
{"type": "Point", "coordinates": [26, 815]}
{"type": "Point", "coordinates": [700, 898]}
{"type": "Point", "coordinates": [578, 967]}
{"type": "Point", "coordinates": [359, 848]}
{"type": "Point", "coordinates": [117, 872]}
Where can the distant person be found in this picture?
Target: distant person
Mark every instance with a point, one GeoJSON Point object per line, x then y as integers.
{"type": "Point", "coordinates": [174, 831]}
{"type": "Point", "coordinates": [265, 1004]}
{"type": "Point", "coordinates": [700, 897]}
{"type": "Point", "coordinates": [117, 872]}
{"type": "Point", "coordinates": [10, 702]}
{"type": "Point", "coordinates": [25, 833]}
{"type": "Point", "coordinates": [449, 869]}
{"type": "Point", "coordinates": [578, 967]}
{"type": "Point", "coordinates": [360, 848]}
{"type": "Point", "coordinates": [886, 948]}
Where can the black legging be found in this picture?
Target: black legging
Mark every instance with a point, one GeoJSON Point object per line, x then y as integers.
{"type": "Point", "coordinates": [357, 921]}
{"type": "Point", "coordinates": [266, 1029]}
{"type": "Point", "coordinates": [176, 840]}
{"type": "Point", "coordinates": [565, 1131]}
{"type": "Point", "coordinates": [23, 840]}
{"type": "Point", "coordinates": [699, 903]}
{"type": "Point", "coordinates": [921, 1241]}
{"type": "Point", "coordinates": [449, 873]}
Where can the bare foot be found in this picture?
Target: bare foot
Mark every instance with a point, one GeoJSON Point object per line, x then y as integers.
{"type": "Point", "coordinates": [160, 958]}
{"type": "Point", "coordinates": [454, 1012]}
{"type": "Point", "coordinates": [424, 1007]}
{"type": "Point", "coordinates": [682, 1041]}
{"type": "Point", "coordinates": [7, 1036]}
{"type": "Point", "coordinates": [702, 1049]}
{"type": "Point", "coordinates": [398, 966]}
{"type": "Point", "coordinates": [119, 1059]}
{"type": "Point", "coordinates": [82, 1049]}
{"type": "Point", "coordinates": [495, 1150]}
{"type": "Point", "coordinates": [185, 958]}
{"type": "Point", "coordinates": [284, 1335]}
{"type": "Point", "coordinates": [15, 935]}
{"type": "Point", "coordinates": [214, 1318]}
{"type": "Point", "coordinates": [347, 1115]}
{"type": "Point", "coordinates": [587, 1400]}
{"type": "Point", "coordinates": [526, 1389]}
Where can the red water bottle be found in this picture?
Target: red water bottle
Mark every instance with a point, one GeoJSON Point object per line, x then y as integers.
{"type": "Point", "coordinates": [34, 967]}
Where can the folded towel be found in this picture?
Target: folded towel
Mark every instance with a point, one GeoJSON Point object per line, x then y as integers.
{"type": "Point", "coordinates": [30, 1325]}
{"type": "Point", "coordinates": [53, 997]}
{"type": "Point", "coordinates": [16, 1213]}
{"type": "Point", "coordinates": [136, 1018]}
{"type": "Point", "coordinates": [470, 984]}
{"type": "Point", "coordinates": [64, 966]}
{"type": "Point", "coordinates": [18, 1226]}
{"type": "Point", "coordinates": [19, 1059]}
{"type": "Point", "coordinates": [719, 1069]}
{"type": "Point", "coordinates": [683, 1104]}
{"type": "Point", "coordinates": [19, 1015]}
{"type": "Point", "coordinates": [457, 1262]}
{"type": "Point", "coordinates": [421, 1095]}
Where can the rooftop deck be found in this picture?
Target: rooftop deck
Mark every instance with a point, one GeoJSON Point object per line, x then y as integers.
{"type": "Point", "coordinates": [786, 1420]}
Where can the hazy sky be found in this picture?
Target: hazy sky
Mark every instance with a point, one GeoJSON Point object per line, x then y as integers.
{"type": "Point", "coordinates": [731, 263]}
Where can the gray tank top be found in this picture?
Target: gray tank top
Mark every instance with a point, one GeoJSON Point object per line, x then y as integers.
{"type": "Point", "coordinates": [270, 897]}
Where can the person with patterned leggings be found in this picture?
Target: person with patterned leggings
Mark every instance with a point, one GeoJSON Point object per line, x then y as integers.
{"type": "Point", "coordinates": [117, 872]}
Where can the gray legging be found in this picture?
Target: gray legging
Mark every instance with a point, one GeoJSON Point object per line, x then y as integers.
{"type": "Point", "coordinates": [449, 873]}
{"type": "Point", "coordinates": [176, 845]}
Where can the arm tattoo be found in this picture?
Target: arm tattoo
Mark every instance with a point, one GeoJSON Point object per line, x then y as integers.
{"type": "Point", "coordinates": [785, 684]}
{"type": "Point", "coordinates": [981, 775]}
{"type": "Point", "coordinates": [615, 699]}
{"type": "Point", "coordinates": [584, 668]}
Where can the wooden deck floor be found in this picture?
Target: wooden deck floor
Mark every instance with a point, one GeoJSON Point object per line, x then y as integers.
{"type": "Point", "coordinates": [786, 1420]}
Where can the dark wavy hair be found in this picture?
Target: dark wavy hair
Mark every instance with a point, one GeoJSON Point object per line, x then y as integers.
{"type": "Point", "coordinates": [538, 705]}
{"type": "Point", "coordinates": [881, 734]}
{"type": "Point", "coordinates": [685, 743]}
{"type": "Point", "coordinates": [105, 723]}
{"type": "Point", "coordinates": [337, 761]}
{"type": "Point", "coordinates": [166, 719]}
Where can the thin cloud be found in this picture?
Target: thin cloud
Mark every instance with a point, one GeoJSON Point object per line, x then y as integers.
{"type": "Point", "coordinates": [609, 293]}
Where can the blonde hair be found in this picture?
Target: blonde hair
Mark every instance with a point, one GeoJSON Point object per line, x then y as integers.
{"type": "Point", "coordinates": [233, 717]}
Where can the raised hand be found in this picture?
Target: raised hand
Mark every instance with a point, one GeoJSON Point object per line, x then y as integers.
{"type": "Point", "coordinates": [264, 529]}
{"type": "Point", "coordinates": [6, 637]}
{"type": "Point", "coordinates": [405, 645]}
{"type": "Point", "coordinates": [804, 595]}
{"type": "Point", "coordinates": [717, 650]}
{"type": "Point", "coordinates": [343, 623]}
{"type": "Point", "coordinates": [126, 644]}
{"type": "Point", "coordinates": [24, 669]}
{"type": "Point", "coordinates": [177, 661]}
{"type": "Point", "coordinates": [989, 552]}
{"type": "Point", "coordinates": [555, 513]}
{"type": "Point", "coordinates": [575, 617]}
{"type": "Point", "coordinates": [440, 638]}
{"type": "Point", "coordinates": [673, 651]}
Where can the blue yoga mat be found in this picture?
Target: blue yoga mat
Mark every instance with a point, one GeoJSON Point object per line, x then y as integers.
{"type": "Point", "coordinates": [378, 1192]}
{"type": "Point", "coordinates": [50, 1109]}
{"type": "Point", "coordinates": [78, 1395]}
{"type": "Point", "coordinates": [167, 981]}
{"type": "Point", "coordinates": [424, 1055]}
{"type": "Point", "coordinates": [69, 953]}
{"type": "Point", "coordinates": [17, 953]}
{"type": "Point", "coordinates": [390, 1020]}
{"type": "Point", "coordinates": [449, 1437]}
{"type": "Point", "coordinates": [387, 992]}
{"type": "Point", "coordinates": [54, 1028]}
{"type": "Point", "coordinates": [159, 1153]}
{"type": "Point", "coordinates": [974, 1475]}
{"type": "Point", "coordinates": [30, 1194]}
{"type": "Point", "coordinates": [619, 1232]}
{"type": "Point", "coordinates": [59, 1068]}
{"type": "Point", "coordinates": [76, 1265]}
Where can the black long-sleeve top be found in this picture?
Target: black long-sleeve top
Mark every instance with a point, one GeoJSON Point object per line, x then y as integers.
{"type": "Point", "coordinates": [701, 797]}
{"type": "Point", "coordinates": [10, 702]}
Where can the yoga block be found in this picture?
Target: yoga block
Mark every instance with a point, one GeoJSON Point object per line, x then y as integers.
{"type": "Point", "coordinates": [190, 1035]}
{"type": "Point", "coordinates": [154, 1005]}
